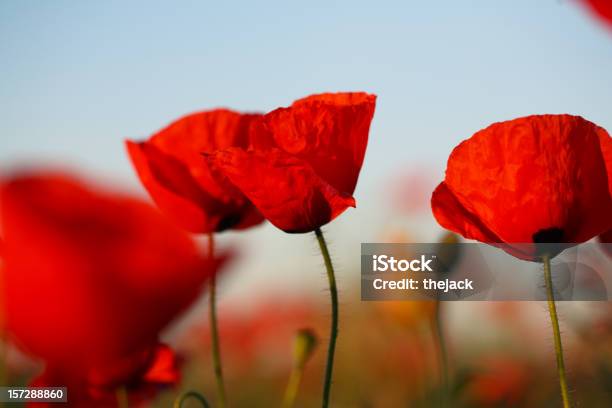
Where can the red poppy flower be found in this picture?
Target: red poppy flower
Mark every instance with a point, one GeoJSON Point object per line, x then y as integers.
{"type": "Point", "coordinates": [606, 148]}
{"type": "Point", "coordinates": [142, 375]}
{"type": "Point", "coordinates": [601, 8]}
{"type": "Point", "coordinates": [530, 180]}
{"type": "Point", "coordinates": [90, 277]}
{"type": "Point", "coordinates": [184, 187]}
{"type": "Point", "coordinates": [304, 162]}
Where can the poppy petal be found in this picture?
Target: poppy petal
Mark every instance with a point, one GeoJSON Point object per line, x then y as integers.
{"type": "Point", "coordinates": [171, 168]}
{"type": "Point", "coordinates": [141, 373]}
{"type": "Point", "coordinates": [285, 189]}
{"type": "Point", "coordinates": [606, 149]}
{"type": "Point", "coordinates": [329, 131]}
{"type": "Point", "coordinates": [601, 9]}
{"type": "Point", "coordinates": [163, 368]}
{"type": "Point", "coordinates": [179, 195]}
{"type": "Point", "coordinates": [451, 214]}
{"type": "Point", "coordinates": [109, 272]}
{"type": "Point", "coordinates": [205, 132]}
{"type": "Point", "coordinates": [534, 174]}
{"type": "Point", "coordinates": [182, 201]}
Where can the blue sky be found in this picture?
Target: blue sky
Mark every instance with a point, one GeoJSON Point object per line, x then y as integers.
{"type": "Point", "coordinates": [76, 78]}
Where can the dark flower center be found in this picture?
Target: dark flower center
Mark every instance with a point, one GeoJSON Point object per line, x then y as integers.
{"type": "Point", "coordinates": [228, 222]}
{"type": "Point", "coordinates": [549, 241]}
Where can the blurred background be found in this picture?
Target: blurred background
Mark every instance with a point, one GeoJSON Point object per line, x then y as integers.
{"type": "Point", "coordinates": [77, 78]}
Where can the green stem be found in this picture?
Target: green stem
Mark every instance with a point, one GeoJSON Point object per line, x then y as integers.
{"type": "Point", "coordinates": [214, 330]}
{"type": "Point", "coordinates": [178, 403]}
{"type": "Point", "coordinates": [334, 321]}
{"type": "Point", "coordinates": [122, 397]}
{"type": "Point", "coordinates": [552, 309]}
{"type": "Point", "coordinates": [442, 354]}
{"type": "Point", "coordinates": [293, 386]}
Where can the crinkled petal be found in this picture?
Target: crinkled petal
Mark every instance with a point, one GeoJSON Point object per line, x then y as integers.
{"type": "Point", "coordinates": [172, 188]}
{"type": "Point", "coordinates": [171, 168]}
{"type": "Point", "coordinates": [451, 214]}
{"type": "Point", "coordinates": [532, 174]}
{"type": "Point", "coordinates": [285, 189]}
{"type": "Point", "coordinates": [328, 131]}
{"type": "Point", "coordinates": [181, 197]}
{"type": "Point", "coordinates": [204, 132]}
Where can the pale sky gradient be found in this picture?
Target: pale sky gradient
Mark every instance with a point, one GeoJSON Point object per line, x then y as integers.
{"type": "Point", "coordinates": [76, 78]}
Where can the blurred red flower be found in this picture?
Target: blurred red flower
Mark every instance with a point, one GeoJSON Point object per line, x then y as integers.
{"type": "Point", "coordinates": [181, 183]}
{"type": "Point", "coordinates": [302, 168]}
{"type": "Point", "coordinates": [601, 8]}
{"type": "Point", "coordinates": [534, 179]}
{"type": "Point", "coordinates": [91, 278]}
{"type": "Point", "coordinates": [142, 375]}
{"type": "Point", "coordinates": [409, 190]}
{"type": "Point", "coordinates": [258, 336]}
{"type": "Point", "coordinates": [500, 381]}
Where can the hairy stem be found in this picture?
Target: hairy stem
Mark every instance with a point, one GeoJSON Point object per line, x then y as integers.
{"type": "Point", "coordinates": [214, 330]}
{"type": "Point", "coordinates": [334, 318]}
{"type": "Point", "coordinates": [552, 309]}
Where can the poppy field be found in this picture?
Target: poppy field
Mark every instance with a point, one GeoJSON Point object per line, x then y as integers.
{"type": "Point", "coordinates": [163, 250]}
